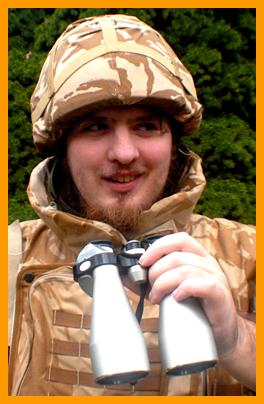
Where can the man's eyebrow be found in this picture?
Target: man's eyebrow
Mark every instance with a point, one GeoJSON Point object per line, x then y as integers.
{"type": "Point", "coordinates": [91, 118]}
{"type": "Point", "coordinates": [149, 116]}
{"type": "Point", "coordinates": [99, 118]}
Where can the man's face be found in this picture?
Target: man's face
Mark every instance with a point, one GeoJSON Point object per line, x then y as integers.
{"type": "Point", "coordinates": [119, 158]}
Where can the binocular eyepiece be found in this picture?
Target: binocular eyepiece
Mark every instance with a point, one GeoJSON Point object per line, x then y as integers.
{"type": "Point", "coordinates": [117, 346]}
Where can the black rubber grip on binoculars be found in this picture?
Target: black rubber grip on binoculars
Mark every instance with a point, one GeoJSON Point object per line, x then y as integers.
{"type": "Point", "coordinates": [106, 258]}
{"type": "Point", "coordinates": [122, 260]}
{"type": "Point", "coordinates": [130, 245]}
{"type": "Point", "coordinates": [126, 261]}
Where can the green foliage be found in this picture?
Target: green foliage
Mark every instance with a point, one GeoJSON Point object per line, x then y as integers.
{"type": "Point", "coordinates": [228, 198]}
{"type": "Point", "coordinates": [227, 145]}
{"type": "Point", "coordinates": [18, 208]}
{"type": "Point", "coordinates": [217, 45]}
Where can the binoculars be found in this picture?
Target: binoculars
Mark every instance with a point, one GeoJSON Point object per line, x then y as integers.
{"type": "Point", "coordinates": [117, 346]}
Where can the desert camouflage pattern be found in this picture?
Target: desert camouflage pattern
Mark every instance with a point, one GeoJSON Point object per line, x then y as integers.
{"type": "Point", "coordinates": [106, 61]}
{"type": "Point", "coordinates": [50, 352]}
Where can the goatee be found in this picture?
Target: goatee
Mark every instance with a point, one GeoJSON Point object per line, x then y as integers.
{"type": "Point", "coordinates": [126, 219]}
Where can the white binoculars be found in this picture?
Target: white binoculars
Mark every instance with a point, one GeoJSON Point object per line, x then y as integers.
{"type": "Point", "coordinates": [117, 346]}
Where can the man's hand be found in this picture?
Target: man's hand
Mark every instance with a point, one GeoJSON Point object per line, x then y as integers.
{"type": "Point", "coordinates": [180, 265]}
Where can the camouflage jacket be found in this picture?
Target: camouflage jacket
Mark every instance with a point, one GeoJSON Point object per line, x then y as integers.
{"type": "Point", "coordinates": [49, 349]}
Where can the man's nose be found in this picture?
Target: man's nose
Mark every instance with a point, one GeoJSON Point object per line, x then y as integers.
{"type": "Point", "coordinates": [123, 147]}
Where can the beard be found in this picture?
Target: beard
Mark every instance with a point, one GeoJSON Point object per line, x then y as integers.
{"type": "Point", "coordinates": [124, 218]}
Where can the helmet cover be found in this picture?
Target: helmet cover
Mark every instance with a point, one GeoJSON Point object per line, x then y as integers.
{"type": "Point", "coordinates": [108, 61]}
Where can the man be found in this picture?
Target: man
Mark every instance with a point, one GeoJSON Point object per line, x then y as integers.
{"type": "Point", "coordinates": [110, 106]}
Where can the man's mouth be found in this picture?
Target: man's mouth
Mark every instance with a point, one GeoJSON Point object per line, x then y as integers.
{"type": "Point", "coordinates": [124, 180]}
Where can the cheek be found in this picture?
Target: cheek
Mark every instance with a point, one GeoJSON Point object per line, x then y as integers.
{"type": "Point", "coordinates": [160, 156]}
{"type": "Point", "coordinates": [80, 155]}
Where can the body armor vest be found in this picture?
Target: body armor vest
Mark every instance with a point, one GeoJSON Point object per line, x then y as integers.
{"type": "Point", "coordinates": [49, 345]}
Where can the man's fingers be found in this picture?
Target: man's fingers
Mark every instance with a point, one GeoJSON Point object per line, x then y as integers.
{"type": "Point", "coordinates": [177, 260]}
{"type": "Point", "coordinates": [171, 280]}
{"type": "Point", "coordinates": [170, 243]}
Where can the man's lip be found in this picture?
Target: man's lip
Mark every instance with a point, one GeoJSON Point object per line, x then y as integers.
{"type": "Point", "coordinates": [124, 182]}
{"type": "Point", "coordinates": [123, 176]}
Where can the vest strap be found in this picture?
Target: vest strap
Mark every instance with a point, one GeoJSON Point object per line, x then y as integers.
{"type": "Point", "coordinates": [14, 258]}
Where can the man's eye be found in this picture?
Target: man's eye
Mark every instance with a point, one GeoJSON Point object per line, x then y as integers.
{"type": "Point", "coordinates": [148, 127]}
{"type": "Point", "coordinates": [93, 127]}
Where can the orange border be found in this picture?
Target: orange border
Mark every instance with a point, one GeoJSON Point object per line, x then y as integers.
{"type": "Point", "coordinates": [4, 176]}
{"type": "Point", "coordinates": [136, 3]}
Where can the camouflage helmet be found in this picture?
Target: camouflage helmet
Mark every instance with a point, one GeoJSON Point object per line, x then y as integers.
{"type": "Point", "coordinates": [105, 61]}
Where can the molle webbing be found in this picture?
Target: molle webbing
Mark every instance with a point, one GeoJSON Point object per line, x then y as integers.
{"type": "Point", "coordinates": [64, 319]}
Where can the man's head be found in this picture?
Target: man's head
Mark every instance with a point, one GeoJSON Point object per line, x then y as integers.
{"type": "Point", "coordinates": [119, 160]}
{"type": "Point", "coordinates": [110, 92]}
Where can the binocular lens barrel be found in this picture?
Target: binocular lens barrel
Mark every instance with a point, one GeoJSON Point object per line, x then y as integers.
{"type": "Point", "coordinates": [117, 345]}
{"type": "Point", "coordinates": [185, 337]}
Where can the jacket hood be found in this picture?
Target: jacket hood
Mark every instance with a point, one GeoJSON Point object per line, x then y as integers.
{"type": "Point", "coordinates": [167, 215]}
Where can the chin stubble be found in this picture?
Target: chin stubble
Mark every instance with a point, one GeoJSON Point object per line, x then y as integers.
{"type": "Point", "coordinates": [125, 219]}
